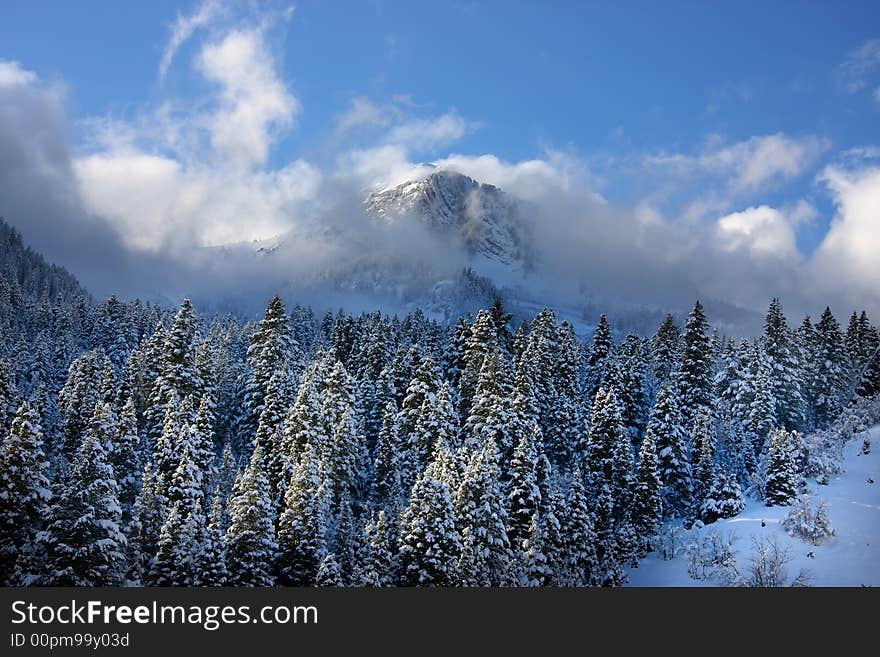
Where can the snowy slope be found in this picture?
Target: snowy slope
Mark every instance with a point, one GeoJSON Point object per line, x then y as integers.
{"type": "Point", "coordinates": [849, 558]}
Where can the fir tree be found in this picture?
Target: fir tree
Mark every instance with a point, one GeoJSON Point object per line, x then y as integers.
{"type": "Point", "coordinates": [481, 516]}
{"type": "Point", "coordinates": [785, 366]}
{"type": "Point", "coordinates": [250, 539]}
{"type": "Point", "coordinates": [524, 496]}
{"type": "Point", "coordinates": [147, 517]}
{"type": "Point", "coordinates": [647, 507]}
{"type": "Point", "coordinates": [695, 374]}
{"type": "Point", "coordinates": [665, 426]}
{"type": "Point", "coordinates": [723, 499]}
{"type": "Point", "coordinates": [580, 537]}
{"type": "Point", "coordinates": [429, 541]}
{"type": "Point", "coordinates": [329, 573]}
{"type": "Point", "coordinates": [600, 356]}
{"type": "Point", "coordinates": [665, 347]}
{"type": "Point", "coordinates": [610, 452]}
{"type": "Point", "coordinates": [212, 564]}
{"type": "Point", "coordinates": [782, 480]}
{"type": "Point", "coordinates": [83, 541]}
{"type": "Point", "coordinates": [302, 525]}
{"type": "Point", "coordinates": [24, 492]}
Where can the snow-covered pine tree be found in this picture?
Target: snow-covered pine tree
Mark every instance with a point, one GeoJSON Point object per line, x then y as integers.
{"type": "Point", "coordinates": [173, 564]}
{"type": "Point", "coordinates": [647, 507]}
{"type": "Point", "coordinates": [211, 564]}
{"type": "Point", "coordinates": [784, 360]}
{"type": "Point", "coordinates": [482, 340]}
{"type": "Point", "coordinates": [429, 541]}
{"type": "Point", "coordinates": [695, 375]}
{"type": "Point", "coordinates": [782, 478]}
{"type": "Point", "coordinates": [579, 535]}
{"type": "Point", "coordinates": [250, 538]}
{"type": "Point", "coordinates": [142, 532]}
{"type": "Point", "coordinates": [523, 496]}
{"type": "Point", "coordinates": [762, 411]}
{"type": "Point", "coordinates": [610, 458]}
{"type": "Point", "coordinates": [665, 426]}
{"type": "Point", "coordinates": [601, 354]}
{"type": "Point", "coordinates": [828, 370]}
{"type": "Point", "coordinates": [24, 493]}
{"type": "Point", "coordinates": [437, 420]}
{"type": "Point", "coordinates": [9, 397]}
{"type": "Point", "coordinates": [481, 517]}
{"type": "Point", "coordinates": [329, 572]}
{"type": "Point", "coordinates": [379, 564]}
{"type": "Point", "coordinates": [271, 349]}
{"type": "Point", "coordinates": [608, 570]}
{"type": "Point", "coordinates": [723, 498]}
{"type": "Point", "coordinates": [77, 399]}
{"type": "Point", "coordinates": [83, 541]}
{"type": "Point", "coordinates": [302, 526]}
{"type": "Point", "coordinates": [125, 458]}
{"type": "Point", "coordinates": [665, 347]}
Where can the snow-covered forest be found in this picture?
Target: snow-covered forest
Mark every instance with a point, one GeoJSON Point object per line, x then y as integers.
{"type": "Point", "coordinates": [156, 446]}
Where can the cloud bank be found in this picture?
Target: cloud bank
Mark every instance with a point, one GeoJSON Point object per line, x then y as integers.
{"type": "Point", "coordinates": [149, 205]}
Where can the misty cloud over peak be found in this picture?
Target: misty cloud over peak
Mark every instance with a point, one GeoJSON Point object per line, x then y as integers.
{"type": "Point", "coordinates": [144, 207]}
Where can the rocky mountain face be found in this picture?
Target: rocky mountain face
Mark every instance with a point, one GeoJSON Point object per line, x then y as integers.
{"type": "Point", "coordinates": [487, 220]}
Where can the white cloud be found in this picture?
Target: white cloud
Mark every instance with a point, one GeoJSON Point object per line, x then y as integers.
{"type": "Point", "coordinates": [184, 27]}
{"type": "Point", "coordinates": [253, 102]}
{"type": "Point", "coordinates": [12, 74]}
{"type": "Point", "coordinates": [847, 259]}
{"type": "Point", "coordinates": [761, 231]}
{"type": "Point", "coordinates": [363, 112]}
{"type": "Point", "coordinates": [744, 166]}
{"type": "Point", "coordinates": [860, 65]}
{"type": "Point", "coordinates": [425, 134]}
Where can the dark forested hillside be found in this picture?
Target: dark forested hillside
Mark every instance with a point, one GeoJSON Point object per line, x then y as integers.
{"type": "Point", "coordinates": [158, 446]}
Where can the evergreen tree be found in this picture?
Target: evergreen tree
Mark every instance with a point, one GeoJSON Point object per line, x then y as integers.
{"type": "Point", "coordinates": [147, 517]}
{"type": "Point", "coordinates": [665, 426]}
{"type": "Point", "coordinates": [388, 463]}
{"type": "Point", "coordinates": [302, 525]}
{"type": "Point", "coordinates": [524, 496]}
{"type": "Point", "coordinates": [580, 537]}
{"type": "Point", "coordinates": [695, 374]}
{"type": "Point", "coordinates": [665, 347]}
{"type": "Point", "coordinates": [647, 507]}
{"type": "Point", "coordinates": [250, 539]}
{"type": "Point", "coordinates": [723, 499]}
{"type": "Point", "coordinates": [610, 452]}
{"type": "Point", "coordinates": [212, 564]}
{"type": "Point", "coordinates": [24, 492]}
{"type": "Point", "coordinates": [125, 457]}
{"type": "Point", "coordinates": [782, 480]}
{"type": "Point", "coordinates": [83, 541]}
{"type": "Point", "coordinates": [481, 516]}
{"type": "Point", "coordinates": [329, 573]}
{"type": "Point", "coordinates": [429, 541]}
{"type": "Point", "coordinates": [600, 356]}
{"type": "Point", "coordinates": [379, 567]}
{"type": "Point", "coordinates": [828, 370]}
{"type": "Point", "coordinates": [785, 366]}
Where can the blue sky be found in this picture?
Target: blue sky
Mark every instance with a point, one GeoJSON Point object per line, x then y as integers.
{"type": "Point", "coordinates": [717, 113]}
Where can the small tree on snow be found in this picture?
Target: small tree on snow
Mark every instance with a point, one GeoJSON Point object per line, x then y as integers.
{"type": "Point", "coordinates": [783, 480]}
{"type": "Point", "coordinates": [808, 522]}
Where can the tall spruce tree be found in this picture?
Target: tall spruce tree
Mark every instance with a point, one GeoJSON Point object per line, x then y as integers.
{"type": "Point", "coordinates": [250, 539]}
{"type": "Point", "coordinates": [83, 541]}
{"type": "Point", "coordinates": [24, 492]}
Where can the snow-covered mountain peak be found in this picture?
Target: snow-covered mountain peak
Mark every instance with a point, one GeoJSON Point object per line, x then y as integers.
{"type": "Point", "coordinates": [486, 219]}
